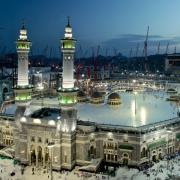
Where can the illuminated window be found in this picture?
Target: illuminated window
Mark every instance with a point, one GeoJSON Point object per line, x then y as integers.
{"type": "Point", "coordinates": [109, 156]}
{"type": "Point", "coordinates": [47, 141]}
{"type": "Point", "coordinates": [39, 140]}
{"type": "Point", "coordinates": [32, 139]}
{"type": "Point", "coordinates": [65, 158]}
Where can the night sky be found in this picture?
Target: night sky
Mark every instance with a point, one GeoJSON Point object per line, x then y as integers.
{"type": "Point", "coordinates": [119, 24]}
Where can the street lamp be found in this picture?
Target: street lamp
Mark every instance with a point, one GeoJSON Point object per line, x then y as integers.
{"type": "Point", "coordinates": [50, 146]}
{"type": "Point", "coordinates": [41, 88]}
{"type": "Point", "coordinates": [168, 132]}
{"type": "Point", "coordinates": [135, 102]}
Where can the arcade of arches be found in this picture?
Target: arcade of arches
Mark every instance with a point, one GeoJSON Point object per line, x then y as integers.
{"type": "Point", "coordinates": [39, 156]}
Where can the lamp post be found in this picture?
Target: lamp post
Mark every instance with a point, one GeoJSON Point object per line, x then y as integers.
{"type": "Point", "coordinates": [135, 102]}
{"type": "Point", "coordinates": [50, 146]}
{"type": "Point", "coordinates": [168, 132]}
{"type": "Point", "coordinates": [41, 88]}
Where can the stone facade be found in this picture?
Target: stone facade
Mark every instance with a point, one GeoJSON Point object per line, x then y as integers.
{"type": "Point", "coordinates": [114, 145]}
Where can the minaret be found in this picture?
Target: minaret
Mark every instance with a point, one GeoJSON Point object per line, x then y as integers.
{"type": "Point", "coordinates": [22, 90]}
{"type": "Point", "coordinates": [22, 93]}
{"type": "Point", "coordinates": [67, 101]}
{"type": "Point", "coordinates": [67, 93]}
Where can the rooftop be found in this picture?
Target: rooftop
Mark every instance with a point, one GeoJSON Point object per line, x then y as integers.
{"type": "Point", "coordinates": [136, 110]}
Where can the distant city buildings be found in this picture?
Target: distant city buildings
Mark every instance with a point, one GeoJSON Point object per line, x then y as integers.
{"type": "Point", "coordinates": [172, 64]}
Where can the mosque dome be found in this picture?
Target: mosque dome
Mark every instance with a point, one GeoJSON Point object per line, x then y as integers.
{"type": "Point", "coordinates": [97, 98]}
{"type": "Point", "coordinates": [81, 97]}
{"type": "Point", "coordinates": [114, 99]}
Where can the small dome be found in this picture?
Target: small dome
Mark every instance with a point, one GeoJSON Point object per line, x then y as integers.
{"type": "Point", "coordinates": [97, 98]}
{"type": "Point", "coordinates": [114, 96]}
{"type": "Point", "coordinates": [81, 97]}
{"type": "Point", "coordinates": [114, 99]}
{"type": "Point", "coordinates": [96, 94]}
{"type": "Point", "coordinates": [81, 94]}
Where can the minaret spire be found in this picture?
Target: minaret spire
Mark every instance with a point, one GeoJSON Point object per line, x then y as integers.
{"type": "Point", "coordinates": [23, 24]}
{"type": "Point", "coordinates": [68, 25]}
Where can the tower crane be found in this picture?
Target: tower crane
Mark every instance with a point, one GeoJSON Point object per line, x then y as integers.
{"type": "Point", "coordinates": [167, 48]}
{"type": "Point", "coordinates": [130, 53]}
{"type": "Point", "coordinates": [45, 50]}
{"type": "Point", "coordinates": [95, 63]}
{"type": "Point", "coordinates": [175, 50]}
{"type": "Point", "coordinates": [145, 48]}
{"type": "Point", "coordinates": [137, 50]}
{"type": "Point", "coordinates": [115, 52]}
{"type": "Point", "coordinates": [79, 64]}
{"type": "Point", "coordinates": [106, 53]}
{"type": "Point", "coordinates": [145, 43]}
{"type": "Point", "coordinates": [158, 48]}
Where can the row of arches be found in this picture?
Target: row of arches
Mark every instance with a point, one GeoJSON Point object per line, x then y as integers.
{"type": "Point", "coordinates": [114, 158]}
{"type": "Point", "coordinates": [39, 156]}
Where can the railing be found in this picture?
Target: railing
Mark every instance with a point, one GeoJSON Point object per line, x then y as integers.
{"type": "Point", "coordinates": [5, 103]}
{"type": "Point", "coordinates": [132, 128]}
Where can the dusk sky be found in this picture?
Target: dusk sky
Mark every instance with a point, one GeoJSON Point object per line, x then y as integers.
{"type": "Point", "coordinates": [119, 24]}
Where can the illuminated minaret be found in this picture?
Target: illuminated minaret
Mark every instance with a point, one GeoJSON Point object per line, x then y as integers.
{"type": "Point", "coordinates": [23, 89]}
{"type": "Point", "coordinates": [68, 93]}
{"type": "Point", "coordinates": [67, 101]}
{"type": "Point", "coordinates": [22, 93]}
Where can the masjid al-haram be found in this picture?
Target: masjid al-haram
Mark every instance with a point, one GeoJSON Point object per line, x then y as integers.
{"type": "Point", "coordinates": [91, 125]}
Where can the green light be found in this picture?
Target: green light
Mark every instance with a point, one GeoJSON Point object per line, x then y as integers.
{"type": "Point", "coordinates": [22, 97]}
{"type": "Point", "coordinates": [69, 44]}
{"type": "Point", "coordinates": [23, 46]}
{"type": "Point", "coordinates": [67, 99]}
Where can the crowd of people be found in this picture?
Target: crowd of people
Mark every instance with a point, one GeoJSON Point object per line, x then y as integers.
{"type": "Point", "coordinates": [161, 170]}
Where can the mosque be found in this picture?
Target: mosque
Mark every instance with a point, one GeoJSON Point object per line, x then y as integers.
{"type": "Point", "coordinates": [56, 133]}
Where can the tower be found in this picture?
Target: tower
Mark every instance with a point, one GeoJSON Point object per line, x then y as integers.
{"type": "Point", "coordinates": [22, 90]}
{"type": "Point", "coordinates": [68, 100]}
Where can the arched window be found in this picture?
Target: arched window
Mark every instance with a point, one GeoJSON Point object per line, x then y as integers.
{"type": "Point", "coordinates": [143, 152]}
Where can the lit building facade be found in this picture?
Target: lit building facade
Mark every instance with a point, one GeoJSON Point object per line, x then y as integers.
{"type": "Point", "coordinates": [77, 142]}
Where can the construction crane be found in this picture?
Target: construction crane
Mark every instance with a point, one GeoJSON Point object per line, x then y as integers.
{"type": "Point", "coordinates": [45, 50]}
{"type": "Point", "coordinates": [115, 52]}
{"type": "Point", "coordinates": [175, 50]}
{"type": "Point", "coordinates": [145, 49]}
{"type": "Point", "coordinates": [130, 53]}
{"type": "Point", "coordinates": [95, 63]}
{"type": "Point", "coordinates": [167, 48]}
{"type": "Point", "coordinates": [137, 50]}
{"type": "Point", "coordinates": [106, 53]}
{"type": "Point", "coordinates": [145, 43]}
{"type": "Point", "coordinates": [158, 48]}
{"type": "Point", "coordinates": [79, 64]}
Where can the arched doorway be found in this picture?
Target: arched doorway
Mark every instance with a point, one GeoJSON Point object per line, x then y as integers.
{"type": "Point", "coordinates": [125, 159]}
{"type": "Point", "coordinates": [33, 155]}
{"type": "Point", "coordinates": [46, 153]}
{"type": "Point", "coordinates": [40, 157]}
{"type": "Point", "coordinates": [5, 90]}
{"type": "Point", "coordinates": [143, 152]}
{"type": "Point", "coordinates": [92, 152]}
{"type": "Point", "coordinates": [154, 158]}
{"type": "Point", "coordinates": [160, 156]}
